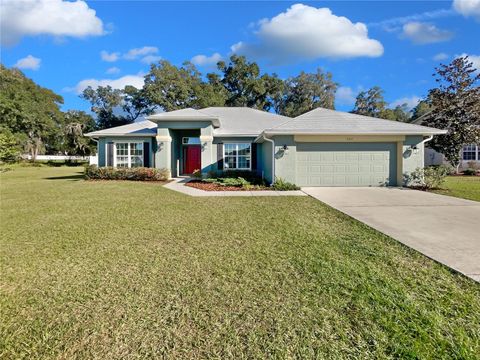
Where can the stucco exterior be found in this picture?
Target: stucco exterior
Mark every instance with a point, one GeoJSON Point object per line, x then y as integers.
{"type": "Point", "coordinates": [320, 148]}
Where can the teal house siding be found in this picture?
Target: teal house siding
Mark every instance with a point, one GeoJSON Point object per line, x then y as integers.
{"type": "Point", "coordinates": [412, 159]}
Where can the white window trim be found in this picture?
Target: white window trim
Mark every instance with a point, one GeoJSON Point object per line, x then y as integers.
{"type": "Point", "coordinates": [475, 150]}
{"type": "Point", "coordinates": [129, 156]}
{"type": "Point", "coordinates": [237, 143]}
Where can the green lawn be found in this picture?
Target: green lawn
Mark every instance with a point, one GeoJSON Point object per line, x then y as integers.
{"type": "Point", "coordinates": [466, 187]}
{"type": "Point", "coordinates": [112, 270]}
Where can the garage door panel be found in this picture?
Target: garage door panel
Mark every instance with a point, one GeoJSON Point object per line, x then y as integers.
{"type": "Point", "coordinates": [346, 164]}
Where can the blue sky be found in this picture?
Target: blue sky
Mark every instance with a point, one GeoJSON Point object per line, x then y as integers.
{"type": "Point", "coordinates": [394, 44]}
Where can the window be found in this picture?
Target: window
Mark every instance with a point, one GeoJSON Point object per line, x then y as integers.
{"type": "Point", "coordinates": [129, 154]}
{"type": "Point", "coordinates": [191, 141]}
{"type": "Point", "coordinates": [470, 152]}
{"type": "Point", "coordinates": [237, 156]}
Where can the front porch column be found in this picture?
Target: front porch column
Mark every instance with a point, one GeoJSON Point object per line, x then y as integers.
{"type": "Point", "coordinates": [163, 156]}
{"type": "Point", "coordinates": [206, 141]}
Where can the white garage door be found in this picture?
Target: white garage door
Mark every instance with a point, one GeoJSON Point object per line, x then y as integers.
{"type": "Point", "coordinates": [346, 164]}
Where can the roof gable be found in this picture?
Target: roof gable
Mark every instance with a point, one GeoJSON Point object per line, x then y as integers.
{"type": "Point", "coordinates": [141, 128]}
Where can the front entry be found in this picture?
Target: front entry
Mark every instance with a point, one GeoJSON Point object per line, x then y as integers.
{"type": "Point", "coordinates": [191, 158]}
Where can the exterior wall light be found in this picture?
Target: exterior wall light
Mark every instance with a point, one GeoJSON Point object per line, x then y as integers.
{"type": "Point", "coordinates": [414, 149]}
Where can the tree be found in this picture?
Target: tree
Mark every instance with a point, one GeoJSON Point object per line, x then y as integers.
{"type": "Point", "coordinates": [455, 107]}
{"type": "Point", "coordinates": [398, 113]}
{"type": "Point", "coordinates": [9, 149]}
{"type": "Point", "coordinates": [306, 92]}
{"type": "Point", "coordinates": [76, 124]}
{"type": "Point", "coordinates": [135, 103]}
{"type": "Point", "coordinates": [370, 103]}
{"type": "Point", "coordinates": [244, 85]}
{"type": "Point", "coordinates": [29, 111]}
{"type": "Point", "coordinates": [172, 88]}
{"type": "Point", "coordinates": [104, 101]}
{"type": "Point", "coordinates": [422, 108]}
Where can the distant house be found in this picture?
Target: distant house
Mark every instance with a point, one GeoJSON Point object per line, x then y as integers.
{"type": "Point", "coordinates": [470, 154]}
{"type": "Point", "coordinates": [319, 148]}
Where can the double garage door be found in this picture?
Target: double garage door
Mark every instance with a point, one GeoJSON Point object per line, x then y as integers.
{"type": "Point", "coordinates": [346, 164]}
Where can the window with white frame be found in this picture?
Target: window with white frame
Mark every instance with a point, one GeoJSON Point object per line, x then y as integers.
{"type": "Point", "coordinates": [237, 156]}
{"type": "Point", "coordinates": [129, 154]}
{"type": "Point", "coordinates": [470, 152]}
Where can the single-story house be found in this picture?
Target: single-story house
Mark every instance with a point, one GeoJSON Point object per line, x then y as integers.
{"type": "Point", "coordinates": [469, 155]}
{"type": "Point", "coordinates": [319, 148]}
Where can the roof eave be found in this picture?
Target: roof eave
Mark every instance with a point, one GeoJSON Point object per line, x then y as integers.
{"type": "Point", "coordinates": [295, 132]}
{"type": "Point", "coordinates": [215, 121]}
{"type": "Point", "coordinates": [94, 135]}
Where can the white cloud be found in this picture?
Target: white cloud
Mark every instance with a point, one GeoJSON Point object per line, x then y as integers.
{"type": "Point", "coordinates": [345, 95]}
{"type": "Point", "coordinates": [109, 57]}
{"type": "Point", "coordinates": [113, 70]}
{"type": "Point", "coordinates": [47, 17]}
{"type": "Point", "coordinates": [204, 60]}
{"type": "Point", "coordinates": [134, 80]}
{"type": "Point", "coordinates": [411, 102]}
{"type": "Point", "coordinates": [28, 62]}
{"type": "Point", "coordinates": [468, 8]}
{"type": "Point", "coordinates": [151, 59]}
{"type": "Point", "coordinates": [305, 32]}
{"type": "Point", "coordinates": [146, 54]}
{"type": "Point", "coordinates": [425, 33]}
{"type": "Point", "coordinates": [393, 24]}
{"type": "Point", "coordinates": [475, 59]}
{"type": "Point", "coordinates": [134, 54]}
{"type": "Point", "coordinates": [440, 56]}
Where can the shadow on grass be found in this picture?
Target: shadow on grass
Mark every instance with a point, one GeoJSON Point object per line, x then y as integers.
{"type": "Point", "coordinates": [67, 177]}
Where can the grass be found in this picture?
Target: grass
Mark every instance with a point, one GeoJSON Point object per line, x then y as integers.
{"type": "Point", "coordinates": [465, 187]}
{"type": "Point", "coordinates": [115, 270]}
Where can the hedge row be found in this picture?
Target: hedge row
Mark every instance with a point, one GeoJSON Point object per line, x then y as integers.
{"type": "Point", "coordinates": [94, 172]}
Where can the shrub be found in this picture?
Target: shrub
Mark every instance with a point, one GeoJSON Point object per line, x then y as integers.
{"type": "Point", "coordinates": [282, 185]}
{"type": "Point", "coordinates": [238, 182]}
{"type": "Point", "coordinates": [251, 176]}
{"type": "Point", "coordinates": [473, 165]}
{"type": "Point", "coordinates": [469, 172]}
{"type": "Point", "coordinates": [93, 172]}
{"type": "Point", "coordinates": [197, 174]}
{"type": "Point", "coordinates": [428, 178]}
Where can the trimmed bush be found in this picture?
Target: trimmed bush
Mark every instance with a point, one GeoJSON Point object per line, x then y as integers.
{"type": "Point", "coordinates": [251, 176]}
{"type": "Point", "coordinates": [93, 172]}
{"type": "Point", "coordinates": [428, 178]}
{"type": "Point", "coordinates": [237, 182]}
{"type": "Point", "coordinates": [469, 172]}
{"type": "Point", "coordinates": [282, 185]}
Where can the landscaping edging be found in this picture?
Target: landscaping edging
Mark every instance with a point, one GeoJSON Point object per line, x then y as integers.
{"type": "Point", "coordinates": [178, 184]}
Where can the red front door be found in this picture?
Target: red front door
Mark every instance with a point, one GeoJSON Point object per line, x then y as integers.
{"type": "Point", "coordinates": [191, 158]}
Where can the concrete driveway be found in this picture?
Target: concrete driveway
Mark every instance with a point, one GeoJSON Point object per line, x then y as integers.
{"type": "Point", "coordinates": [443, 228]}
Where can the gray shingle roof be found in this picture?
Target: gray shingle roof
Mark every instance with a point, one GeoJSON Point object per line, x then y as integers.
{"type": "Point", "coordinates": [244, 120]}
{"type": "Point", "coordinates": [188, 114]}
{"type": "Point", "coordinates": [141, 128]}
{"type": "Point", "coordinates": [328, 122]}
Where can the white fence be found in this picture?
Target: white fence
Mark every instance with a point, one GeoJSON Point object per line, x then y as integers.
{"type": "Point", "coordinates": [56, 157]}
{"type": "Point", "coordinates": [93, 160]}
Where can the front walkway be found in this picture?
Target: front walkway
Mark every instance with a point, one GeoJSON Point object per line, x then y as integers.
{"type": "Point", "coordinates": [444, 228]}
{"type": "Point", "coordinates": [178, 184]}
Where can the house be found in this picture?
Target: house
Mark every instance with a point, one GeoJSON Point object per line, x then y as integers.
{"type": "Point", "coordinates": [469, 155]}
{"type": "Point", "coordinates": [320, 148]}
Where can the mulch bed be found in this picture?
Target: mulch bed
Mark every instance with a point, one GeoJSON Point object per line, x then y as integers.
{"type": "Point", "coordinates": [198, 184]}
